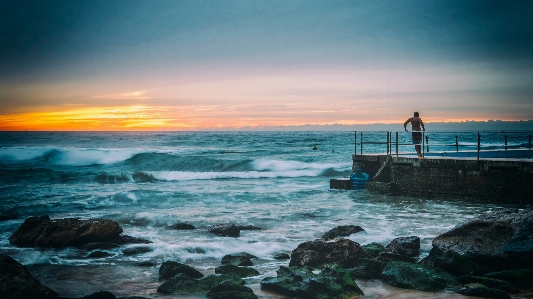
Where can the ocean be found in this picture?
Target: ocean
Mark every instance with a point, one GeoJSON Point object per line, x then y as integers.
{"type": "Point", "coordinates": [147, 181]}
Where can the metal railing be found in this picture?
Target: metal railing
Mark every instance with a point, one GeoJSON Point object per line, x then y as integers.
{"type": "Point", "coordinates": [440, 142]}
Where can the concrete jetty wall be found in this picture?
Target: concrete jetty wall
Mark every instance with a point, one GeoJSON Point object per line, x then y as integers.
{"type": "Point", "coordinates": [490, 180]}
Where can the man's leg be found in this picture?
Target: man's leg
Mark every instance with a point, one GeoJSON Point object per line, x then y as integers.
{"type": "Point", "coordinates": [418, 150]}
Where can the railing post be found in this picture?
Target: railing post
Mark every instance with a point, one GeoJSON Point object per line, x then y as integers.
{"type": "Point", "coordinates": [478, 144]}
{"type": "Point", "coordinates": [361, 142]}
{"type": "Point", "coordinates": [388, 142]}
{"type": "Point", "coordinates": [529, 141]}
{"type": "Point", "coordinates": [355, 143]}
{"type": "Point", "coordinates": [505, 142]}
{"type": "Point", "coordinates": [456, 144]}
{"type": "Point", "coordinates": [397, 143]}
{"type": "Point", "coordinates": [427, 143]}
{"type": "Point", "coordinates": [423, 145]}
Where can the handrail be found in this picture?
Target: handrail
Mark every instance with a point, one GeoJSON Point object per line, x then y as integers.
{"type": "Point", "coordinates": [442, 141]}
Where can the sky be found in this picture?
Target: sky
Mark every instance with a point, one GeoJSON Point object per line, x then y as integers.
{"type": "Point", "coordinates": [192, 65]}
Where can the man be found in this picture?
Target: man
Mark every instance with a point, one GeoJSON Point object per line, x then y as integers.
{"type": "Point", "coordinates": [416, 123]}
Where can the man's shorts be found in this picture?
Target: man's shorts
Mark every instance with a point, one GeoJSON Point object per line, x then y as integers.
{"type": "Point", "coordinates": [417, 137]}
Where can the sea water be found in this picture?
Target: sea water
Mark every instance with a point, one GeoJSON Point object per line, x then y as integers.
{"type": "Point", "coordinates": [147, 181]}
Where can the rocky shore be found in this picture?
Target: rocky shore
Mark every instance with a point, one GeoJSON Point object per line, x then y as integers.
{"type": "Point", "coordinates": [490, 256]}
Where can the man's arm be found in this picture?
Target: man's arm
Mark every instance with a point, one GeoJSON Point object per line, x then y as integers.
{"type": "Point", "coordinates": [405, 125]}
{"type": "Point", "coordinates": [422, 124]}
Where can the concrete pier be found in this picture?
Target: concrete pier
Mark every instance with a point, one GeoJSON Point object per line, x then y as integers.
{"type": "Point", "coordinates": [497, 180]}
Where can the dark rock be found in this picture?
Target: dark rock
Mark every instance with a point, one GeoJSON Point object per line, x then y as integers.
{"type": "Point", "coordinates": [319, 252]}
{"type": "Point", "coordinates": [331, 281]}
{"type": "Point", "coordinates": [385, 257]}
{"type": "Point", "coordinates": [282, 256]}
{"type": "Point", "coordinates": [520, 277]}
{"type": "Point", "coordinates": [497, 241]}
{"type": "Point", "coordinates": [373, 249]}
{"type": "Point", "coordinates": [245, 254]}
{"type": "Point", "coordinates": [182, 226]}
{"type": "Point", "coordinates": [248, 227]}
{"type": "Point", "coordinates": [489, 282]}
{"type": "Point", "coordinates": [342, 231]}
{"type": "Point", "coordinates": [236, 260]}
{"type": "Point", "coordinates": [99, 254]}
{"type": "Point", "coordinates": [367, 268]}
{"type": "Point", "coordinates": [228, 290]}
{"type": "Point", "coordinates": [452, 262]}
{"type": "Point", "coordinates": [43, 232]}
{"type": "Point", "coordinates": [417, 276]}
{"type": "Point", "coordinates": [125, 239]}
{"type": "Point", "coordinates": [479, 290]}
{"type": "Point", "coordinates": [225, 230]}
{"type": "Point", "coordinates": [6, 218]}
{"type": "Point", "coordinates": [236, 270]}
{"type": "Point", "coordinates": [146, 264]}
{"type": "Point", "coordinates": [16, 281]}
{"type": "Point", "coordinates": [99, 245]}
{"type": "Point", "coordinates": [137, 250]}
{"type": "Point", "coordinates": [170, 268]}
{"type": "Point", "coordinates": [100, 295]}
{"type": "Point", "coordinates": [132, 297]}
{"type": "Point", "coordinates": [407, 246]}
{"type": "Point", "coordinates": [184, 284]}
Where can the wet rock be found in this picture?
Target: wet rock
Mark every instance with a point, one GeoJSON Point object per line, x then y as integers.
{"type": "Point", "coordinates": [100, 295]}
{"type": "Point", "coordinates": [497, 241]}
{"type": "Point", "coordinates": [236, 260]}
{"type": "Point", "coordinates": [417, 276]}
{"type": "Point", "coordinates": [228, 290]}
{"type": "Point", "coordinates": [184, 284]}
{"type": "Point", "coordinates": [170, 268]}
{"type": "Point", "coordinates": [132, 297]}
{"type": "Point", "coordinates": [99, 254]}
{"type": "Point", "coordinates": [43, 232]}
{"type": "Point", "coordinates": [489, 282]}
{"type": "Point", "coordinates": [452, 262]}
{"type": "Point", "coordinates": [520, 277]}
{"type": "Point", "coordinates": [6, 217]}
{"type": "Point", "coordinates": [225, 230]}
{"type": "Point", "coordinates": [373, 249]}
{"type": "Point", "coordinates": [235, 270]}
{"type": "Point", "coordinates": [137, 250]}
{"type": "Point", "coordinates": [385, 257]}
{"type": "Point", "coordinates": [331, 281]}
{"type": "Point", "coordinates": [125, 239]}
{"type": "Point", "coordinates": [248, 227]}
{"type": "Point", "coordinates": [407, 246]}
{"type": "Point", "coordinates": [182, 226]}
{"type": "Point", "coordinates": [479, 290]}
{"type": "Point", "coordinates": [282, 256]}
{"type": "Point", "coordinates": [16, 281]}
{"type": "Point", "coordinates": [319, 252]}
{"type": "Point", "coordinates": [99, 245]}
{"type": "Point", "coordinates": [367, 268]}
{"type": "Point", "coordinates": [342, 231]}
{"type": "Point", "coordinates": [245, 254]}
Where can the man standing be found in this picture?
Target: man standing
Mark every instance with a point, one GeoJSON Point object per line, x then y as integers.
{"type": "Point", "coordinates": [416, 123]}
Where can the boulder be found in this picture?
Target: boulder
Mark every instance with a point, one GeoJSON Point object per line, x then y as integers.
{"type": "Point", "coordinates": [373, 249]}
{"type": "Point", "coordinates": [225, 230]}
{"type": "Point", "coordinates": [236, 260]}
{"type": "Point", "coordinates": [319, 252]}
{"type": "Point", "coordinates": [99, 245]}
{"type": "Point", "coordinates": [170, 268]}
{"type": "Point", "coordinates": [184, 284]}
{"type": "Point", "coordinates": [97, 254]}
{"type": "Point", "coordinates": [520, 277]}
{"type": "Point", "coordinates": [331, 281]}
{"type": "Point", "coordinates": [125, 239]}
{"type": "Point", "coordinates": [137, 250]}
{"type": "Point", "coordinates": [367, 268]}
{"type": "Point", "coordinates": [342, 231]}
{"type": "Point", "coordinates": [100, 295]}
{"type": "Point", "coordinates": [16, 281]}
{"type": "Point", "coordinates": [406, 246]}
{"type": "Point", "coordinates": [43, 232]}
{"type": "Point", "coordinates": [489, 282]}
{"type": "Point", "coordinates": [282, 256]}
{"type": "Point", "coordinates": [497, 241]}
{"type": "Point", "coordinates": [236, 270]}
{"type": "Point", "coordinates": [452, 262]}
{"type": "Point", "coordinates": [227, 290]}
{"type": "Point", "coordinates": [248, 227]}
{"type": "Point", "coordinates": [182, 226]}
{"type": "Point", "coordinates": [417, 276]}
{"type": "Point", "coordinates": [479, 290]}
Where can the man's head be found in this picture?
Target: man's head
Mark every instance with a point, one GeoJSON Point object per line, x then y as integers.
{"type": "Point", "coordinates": [416, 114]}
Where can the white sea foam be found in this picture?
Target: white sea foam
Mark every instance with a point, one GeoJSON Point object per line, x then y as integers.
{"type": "Point", "coordinates": [22, 153]}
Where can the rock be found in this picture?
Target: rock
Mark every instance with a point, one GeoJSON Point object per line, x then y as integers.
{"type": "Point", "coordinates": [125, 239]}
{"type": "Point", "coordinates": [417, 276]}
{"type": "Point", "coordinates": [137, 250]}
{"type": "Point", "coordinates": [235, 270]}
{"type": "Point", "coordinates": [6, 218]}
{"type": "Point", "coordinates": [319, 252]}
{"type": "Point", "coordinates": [132, 297]}
{"type": "Point", "coordinates": [170, 268]}
{"type": "Point", "coordinates": [407, 246]}
{"type": "Point", "coordinates": [331, 281]}
{"type": "Point", "coordinates": [228, 290]}
{"type": "Point", "coordinates": [245, 254]}
{"type": "Point", "coordinates": [99, 254]}
{"type": "Point", "coordinates": [385, 257]}
{"type": "Point", "coordinates": [497, 241]}
{"type": "Point", "coordinates": [520, 277]}
{"type": "Point", "coordinates": [184, 284]}
{"type": "Point", "coordinates": [225, 230]}
{"type": "Point", "coordinates": [342, 231]}
{"type": "Point", "coordinates": [100, 295]}
{"type": "Point", "coordinates": [43, 232]}
{"type": "Point", "coordinates": [248, 227]}
{"type": "Point", "coordinates": [282, 256]}
{"type": "Point", "coordinates": [99, 245]}
{"type": "Point", "coordinates": [367, 268]}
{"type": "Point", "coordinates": [182, 226]}
{"type": "Point", "coordinates": [16, 281]}
{"type": "Point", "coordinates": [236, 260]}
{"type": "Point", "coordinates": [489, 282]}
{"type": "Point", "coordinates": [479, 290]}
{"type": "Point", "coordinates": [452, 262]}
{"type": "Point", "coordinates": [373, 249]}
